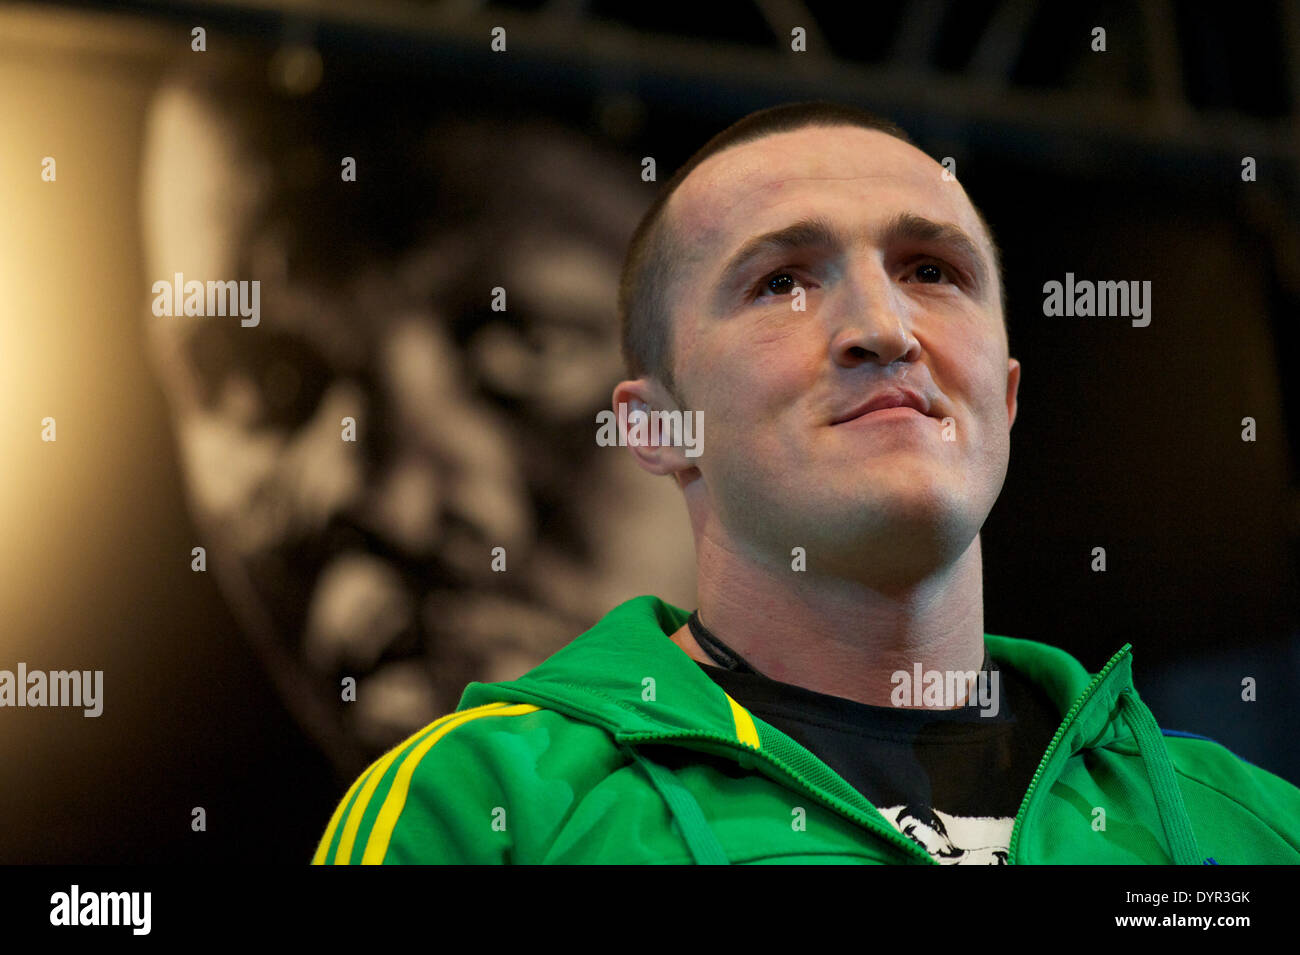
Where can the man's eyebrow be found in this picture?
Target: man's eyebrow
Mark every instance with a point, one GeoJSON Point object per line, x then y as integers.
{"type": "Point", "coordinates": [806, 233]}
{"type": "Point", "coordinates": [819, 231]}
{"type": "Point", "coordinates": [909, 226]}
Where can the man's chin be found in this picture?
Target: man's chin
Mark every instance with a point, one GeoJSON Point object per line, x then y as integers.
{"type": "Point", "coordinates": [914, 530]}
{"type": "Point", "coordinates": [903, 498]}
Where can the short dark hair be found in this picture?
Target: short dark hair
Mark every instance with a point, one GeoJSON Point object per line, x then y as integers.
{"type": "Point", "coordinates": [648, 273]}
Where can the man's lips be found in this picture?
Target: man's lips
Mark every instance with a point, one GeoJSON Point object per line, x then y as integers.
{"type": "Point", "coordinates": [885, 400]}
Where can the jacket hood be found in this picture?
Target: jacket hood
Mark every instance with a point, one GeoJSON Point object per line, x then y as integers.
{"type": "Point", "coordinates": [616, 676]}
{"type": "Point", "coordinates": [601, 675]}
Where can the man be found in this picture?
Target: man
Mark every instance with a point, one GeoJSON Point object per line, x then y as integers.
{"type": "Point", "coordinates": [362, 570]}
{"type": "Point", "coordinates": [830, 304]}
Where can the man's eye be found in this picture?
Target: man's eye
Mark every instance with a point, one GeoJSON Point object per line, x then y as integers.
{"type": "Point", "coordinates": [776, 285]}
{"type": "Point", "coordinates": [932, 273]}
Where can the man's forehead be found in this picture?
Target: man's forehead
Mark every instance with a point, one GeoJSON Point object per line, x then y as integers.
{"type": "Point", "coordinates": [723, 200]}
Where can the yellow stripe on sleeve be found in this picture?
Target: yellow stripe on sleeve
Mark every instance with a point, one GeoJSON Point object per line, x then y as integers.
{"type": "Point", "coordinates": [376, 773]}
{"type": "Point", "coordinates": [382, 831]}
{"type": "Point", "coordinates": [746, 731]}
{"type": "Point", "coordinates": [323, 849]}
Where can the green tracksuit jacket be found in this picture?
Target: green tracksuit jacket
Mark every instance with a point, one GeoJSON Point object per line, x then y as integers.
{"type": "Point", "coordinates": [617, 749]}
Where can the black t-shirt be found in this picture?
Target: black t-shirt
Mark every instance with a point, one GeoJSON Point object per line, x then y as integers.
{"type": "Point", "coordinates": [951, 780]}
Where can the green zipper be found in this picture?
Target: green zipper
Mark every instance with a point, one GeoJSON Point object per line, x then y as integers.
{"type": "Point", "coordinates": [1069, 719]}
{"type": "Point", "coordinates": [877, 824]}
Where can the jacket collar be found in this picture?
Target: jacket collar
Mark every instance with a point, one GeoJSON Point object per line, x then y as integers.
{"type": "Point", "coordinates": [626, 675]}
{"type": "Point", "coordinates": [623, 674]}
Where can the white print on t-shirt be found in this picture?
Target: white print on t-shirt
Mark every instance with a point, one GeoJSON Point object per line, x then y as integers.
{"type": "Point", "coordinates": [943, 835]}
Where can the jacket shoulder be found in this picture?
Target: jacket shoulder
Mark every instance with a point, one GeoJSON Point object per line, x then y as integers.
{"type": "Point", "coordinates": [1228, 798]}
{"type": "Point", "coordinates": [482, 785]}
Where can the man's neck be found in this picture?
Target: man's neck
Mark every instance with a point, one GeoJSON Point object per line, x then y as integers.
{"type": "Point", "coordinates": [840, 637]}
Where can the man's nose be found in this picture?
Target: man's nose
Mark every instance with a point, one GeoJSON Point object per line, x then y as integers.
{"type": "Point", "coordinates": [871, 321]}
{"type": "Point", "coordinates": [452, 451]}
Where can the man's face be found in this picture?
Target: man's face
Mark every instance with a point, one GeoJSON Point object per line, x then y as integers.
{"type": "Point", "coordinates": [889, 309]}
{"type": "Point", "coordinates": [374, 559]}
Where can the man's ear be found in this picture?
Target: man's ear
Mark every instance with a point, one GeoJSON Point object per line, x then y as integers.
{"type": "Point", "coordinates": [1013, 388]}
{"type": "Point", "coordinates": [634, 403]}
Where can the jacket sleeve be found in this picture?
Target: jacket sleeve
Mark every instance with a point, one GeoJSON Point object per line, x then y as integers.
{"type": "Point", "coordinates": [437, 798]}
{"type": "Point", "coordinates": [489, 785]}
{"type": "Point", "coordinates": [1242, 814]}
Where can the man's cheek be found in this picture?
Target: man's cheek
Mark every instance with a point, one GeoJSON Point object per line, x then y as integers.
{"type": "Point", "coordinates": [224, 463]}
{"type": "Point", "coordinates": [236, 479]}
